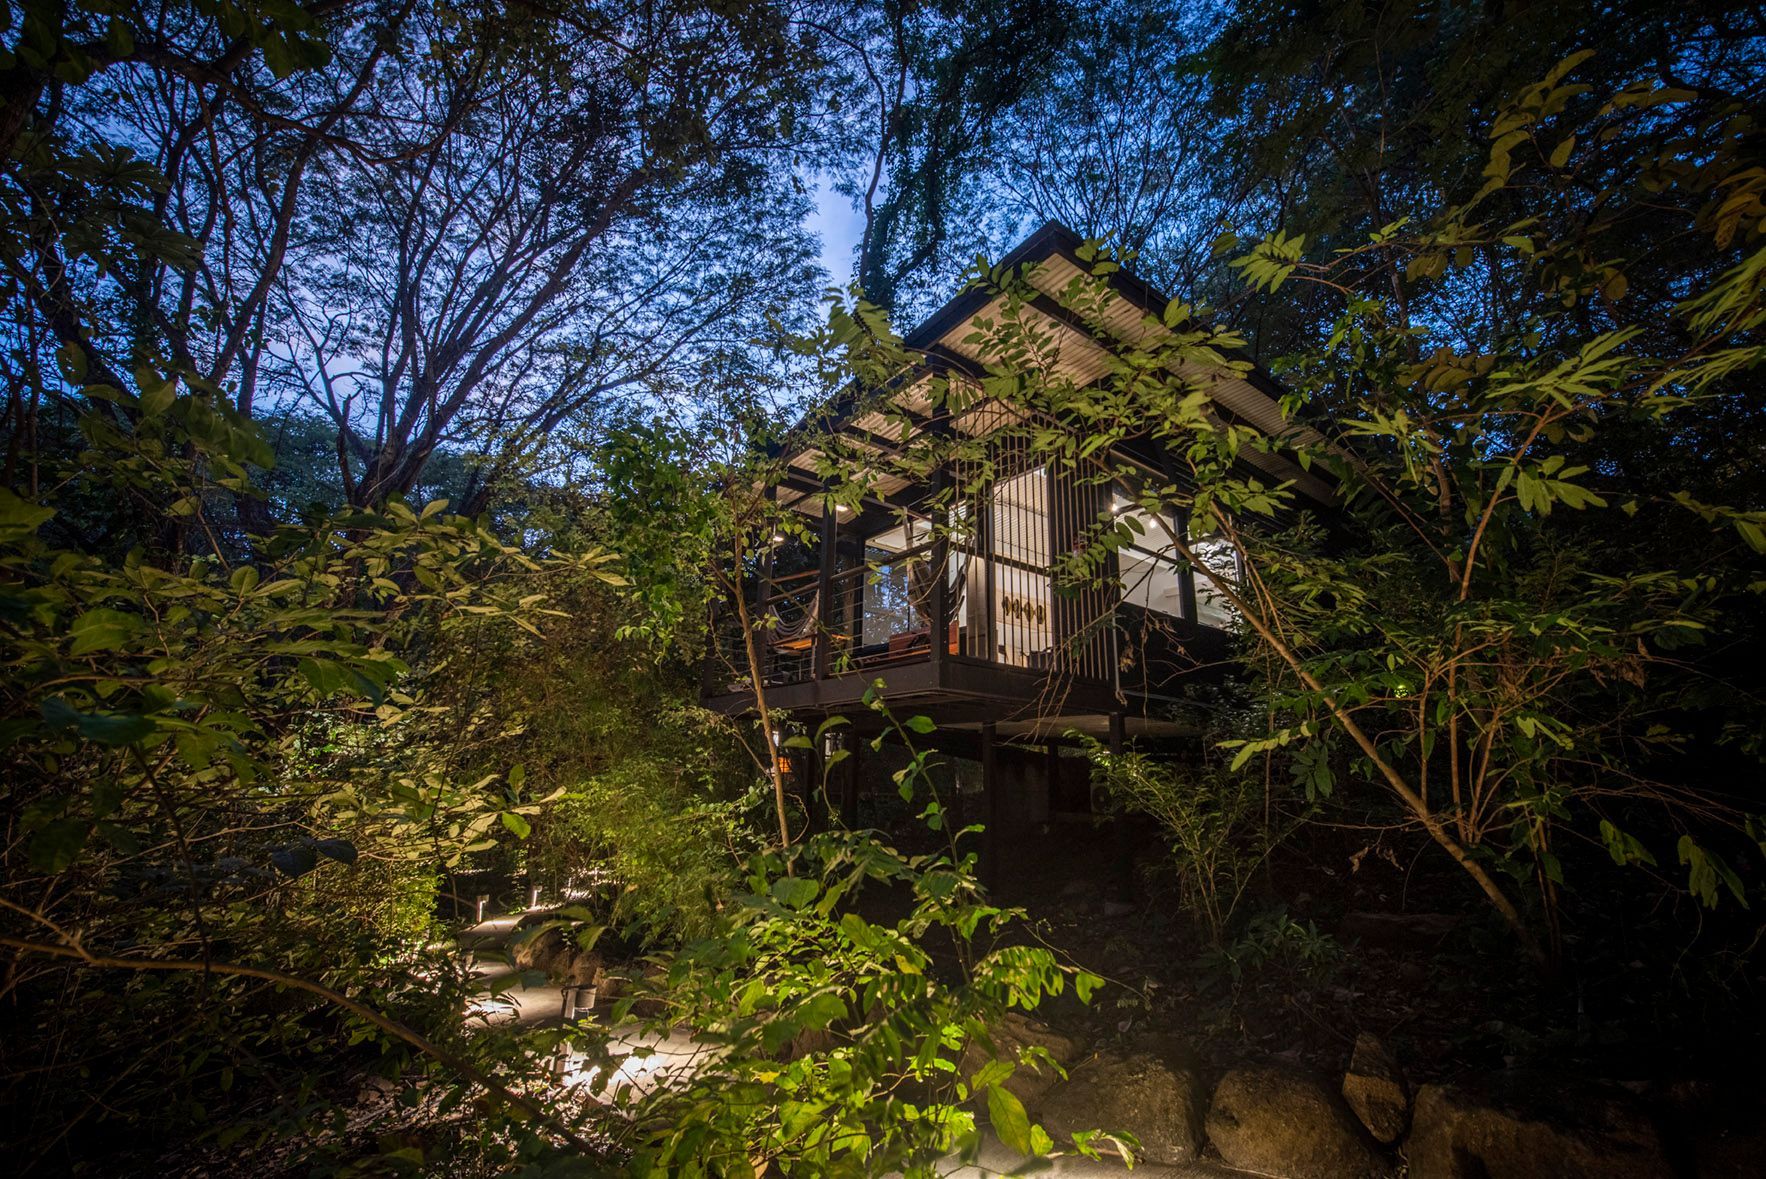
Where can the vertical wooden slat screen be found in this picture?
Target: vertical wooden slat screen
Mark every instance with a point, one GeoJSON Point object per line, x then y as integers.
{"type": "Point", "coordinates": [1013, 519]}
{"type": "Point", "coordinates": [1084, 636]}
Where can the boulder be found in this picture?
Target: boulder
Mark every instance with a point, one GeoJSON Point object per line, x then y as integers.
{"type": "Point", "coordinates": [1281, 1121]}
{"type": "Point", "coordinates": [554, 952]}
{"type": "Point", "coordinates": [1501, 1128]}
{"type": "Point", "coordinates": [1028, 1082]}
{"type": "Point", "coordinates": [1147, 1095]}
{"type": "Point", "coordinates": [1717, 1128]}
{"type": "Point", "coordinates": [579, 967]}
{"type": "Point", "coordinates": [1375, 1090]}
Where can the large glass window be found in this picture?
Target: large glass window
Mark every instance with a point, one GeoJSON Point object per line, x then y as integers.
{"type": "Point", "coordinates": [1148, 567]}
{"type": "Point", "coordinates": [1150, 580]}
{"type": "Point", "coordinates": [894, 583]}
{"type": "Point", "coordinates": [1150, 570]}
{"type": "Point", "coordinates": [1211, 608]}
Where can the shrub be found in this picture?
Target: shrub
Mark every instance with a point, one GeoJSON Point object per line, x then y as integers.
{"type": "Point", "coordinates": [1215, 821]}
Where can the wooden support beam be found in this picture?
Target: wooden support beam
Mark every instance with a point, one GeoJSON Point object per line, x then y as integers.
{"type": "Point", "coordinates": [1121, 835]}
{"type": "Point", "coordinates": [850, 781]}
{"type": "Point", "coordinates": [814, 806]}
{"type": "Point", "coordinates": [825, 592]}
{"type": "Point", "coordinates": [990, 802]}
{"type": "Point", "coordinates": [1052, 772]}
{"type": "Point", "coordinates": [940, 627]}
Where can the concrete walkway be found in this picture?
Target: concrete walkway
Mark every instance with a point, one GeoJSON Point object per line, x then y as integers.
{"type": "Point", "coordinates": [650, 1060]}
{"type": "Point", "coordinates": [656, 1060]}
{"type": "Point", "coordinates": [997, 1159]}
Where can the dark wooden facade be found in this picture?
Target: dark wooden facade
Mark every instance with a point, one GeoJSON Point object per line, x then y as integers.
{"type": "Point", "coordinates": [951, 601]}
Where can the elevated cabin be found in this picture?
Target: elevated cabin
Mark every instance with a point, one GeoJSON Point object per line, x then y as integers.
{"type": "Point", "coordinates": [945, 588]}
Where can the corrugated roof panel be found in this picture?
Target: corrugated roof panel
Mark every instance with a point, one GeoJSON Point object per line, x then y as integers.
{"type": "Point", "coordinates": [1077, 356]}
{"type": "Point", "coordinates": [987, 417]}
{"type": "Point", "coordinates": [1122, 318]}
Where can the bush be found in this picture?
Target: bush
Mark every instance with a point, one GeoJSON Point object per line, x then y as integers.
{"type": "Point", "coordinates": [1216, 823]}
{"type": "Point", "coordinates": [834, 1033]}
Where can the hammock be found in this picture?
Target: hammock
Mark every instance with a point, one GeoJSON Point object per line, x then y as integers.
{"type": "Point", "coordinates": [782, 633]}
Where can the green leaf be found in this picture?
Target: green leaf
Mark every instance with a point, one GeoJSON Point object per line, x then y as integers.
{"type": "Point", "coordinates": [821, 1010]}
{"type": "Point", "coordinates": [100, 728]}
{"type": "Point", "coordinates": [794, 892]}
{"type": "Point", "coordinates": [919, 724]}
{"type": "Point", "coordinates": [101, 630]}
{"type": "Point", "coordinates": [1009, 1120]}
{"type": "Point", "coordinates": [20, 517]}
{"type": "Point", "coordinates": [1705, 870]}
{"type": "Point", "coordinates": [516, 824]}
{"type": "Point", "coordinates": [157, 393]}
{"type": "Point", "coordinates": [55, 847]}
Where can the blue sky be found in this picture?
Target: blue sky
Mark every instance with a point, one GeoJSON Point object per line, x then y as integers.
{"type": "Point", "coordinates": [839, 227]}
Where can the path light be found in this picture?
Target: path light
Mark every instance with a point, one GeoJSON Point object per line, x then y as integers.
{"type": "Point", "coordinates": [578, 1002]}
{"type": "Point", "coordinates": [478, 910]}
{"type": "Point", "coordinates": [533, 896]}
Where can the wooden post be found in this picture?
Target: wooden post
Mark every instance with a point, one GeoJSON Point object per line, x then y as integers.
{"type": "Point", "coordinates": [984, 544]}
{"type": "Point", "coordinates": [939, 630]}
{"type": "Point", "coordinates": [990, 802]}
{"type": "Point", "coordinates": [825, 591]}
{"type": "Point", "coordinates": [812, 763]}
{"type": "Point", "coordinates": [1119, 829]}
{"type": "Point", "coordinates": [1052, 772]}
{"type": "Point", "coordinates": [850, 782]}
{"type": "Point", "coordinates": [1186, 575]}
{"type": "Point", "coordinates": [1062, 610]}
{"type": "Point", "coordinates": [763, 599]}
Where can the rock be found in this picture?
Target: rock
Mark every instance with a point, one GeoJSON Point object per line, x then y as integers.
{"type": "Point", "coordinates": [1398, 931]}
{"type": "Point", "coordinates": [1719, 1128]}
{"type": "Point", "coordinates": [376, 1089]}
{"type": "Point", "coordinates": [1374, 1088]}
{"type": "Point", "coordinates": [555, 952]}
{"type": "Point", "coordinates": [808, 1042]}
{"type": "Point", "coordinates": [648, 985]}
{"type": "Point", "coordinates": [1526, 1126]}
{"type": "Point", "coordinates": [1281, 1121]}
{"type": "Point", "coordinates": [577, 967]}
{"type": "Point", "coordinates": [1143, 1094]}
{"type": "Point", "coordinates": [1028, 1082]}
